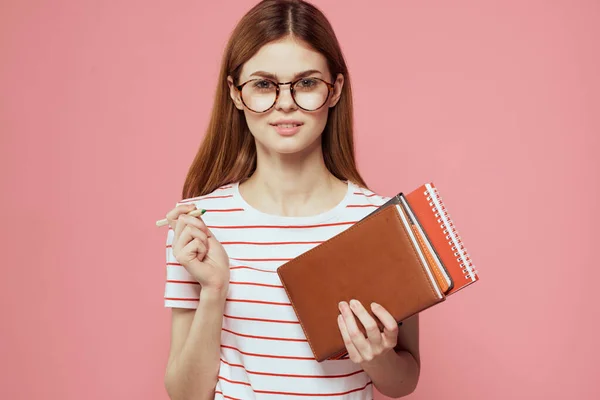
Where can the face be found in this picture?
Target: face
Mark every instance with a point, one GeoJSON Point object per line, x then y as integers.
{"type": "Point", "coordinates": [286, 128]}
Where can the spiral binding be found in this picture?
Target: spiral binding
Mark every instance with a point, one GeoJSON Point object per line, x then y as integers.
{"type": "Point", "coordinates": [446, 223]}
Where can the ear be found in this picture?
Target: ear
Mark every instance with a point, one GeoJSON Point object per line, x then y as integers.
{"type": "Point", "coordinates": [337, 90]}
{"type": "Point", "coordinates": [234, 94]}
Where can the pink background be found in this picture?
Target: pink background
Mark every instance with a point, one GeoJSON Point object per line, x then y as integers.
{"type": "Point", "coordinates": [103, 106]}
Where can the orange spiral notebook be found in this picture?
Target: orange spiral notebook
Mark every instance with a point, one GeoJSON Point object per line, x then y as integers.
{"type": "Point", "coordinates": [447, 248]}
{"type": "Point", "coordinates": [429, 208]}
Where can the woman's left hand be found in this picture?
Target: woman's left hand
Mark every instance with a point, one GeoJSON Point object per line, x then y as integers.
{"type": "Point", "coordinates": [368, 349]}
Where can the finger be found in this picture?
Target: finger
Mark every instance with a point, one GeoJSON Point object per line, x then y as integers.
{"type": "Point", "coordinates": [194, 251]}
{"type": "Point", "coordinates": [173, 214]}
{"type": "Point", "coordinates": [179, 225]}
{"type": "Point", "coordinates": [190, 233]}
{"type": "Point", "coordinates": [176, 244]}
{"type": "Point", "coordinates": [185, 234]}
{"type": "Point", "coordinates": [373, 332]}
{"type": "Point", "coordinates": [390, 326]}
{"type": "Point", "coordinates": [197, 222]}
{"type": "Point", "coordinates": [360, 342]}
{"type": "Point", "coordinates": [353, 353]}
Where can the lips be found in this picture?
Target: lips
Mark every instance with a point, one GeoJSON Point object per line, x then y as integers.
{"type": "Point", "coordinates": [287, 128]}
{"type": "Point", "coordinates": [287, 123]}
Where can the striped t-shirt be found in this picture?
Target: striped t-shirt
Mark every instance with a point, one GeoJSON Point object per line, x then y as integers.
{"type": "Point", "coordinates": [264, 352]}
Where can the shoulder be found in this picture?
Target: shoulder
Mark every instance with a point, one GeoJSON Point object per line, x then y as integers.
{"type": "Point", "coordinates": [221, 199]}
{"type": "Point", "coordinates": [367, 197]}
{"type": "Point", "coordinates": [362, 201]}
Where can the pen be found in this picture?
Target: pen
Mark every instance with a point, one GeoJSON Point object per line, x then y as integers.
{"type": "Point", "coordinates": [195, 213]}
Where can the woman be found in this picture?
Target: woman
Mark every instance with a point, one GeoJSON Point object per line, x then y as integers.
{"type": "Point", "coordinates": [277, 176]}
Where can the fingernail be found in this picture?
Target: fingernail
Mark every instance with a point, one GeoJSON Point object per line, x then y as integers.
{"type": "Point", "coordinates": [374, 304]}
{"type": "Point", "coordinates": [202, 211]}
{"type": "Point", "coordinates": [340, 305]}
{"type": "Point", "coordinates": [353, 303]}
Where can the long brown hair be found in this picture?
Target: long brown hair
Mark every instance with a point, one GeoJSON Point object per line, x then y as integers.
{"type": "Point", "coordinates": [228, 151]}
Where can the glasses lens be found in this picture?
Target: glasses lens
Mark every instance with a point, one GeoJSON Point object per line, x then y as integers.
{"type": "Point", "coordinates": [310, 93]}
{"type": "Point", "coordinates": [259, 95]}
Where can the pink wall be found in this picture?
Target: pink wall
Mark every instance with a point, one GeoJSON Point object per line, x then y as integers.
{"type": "Point", "coordinates": [103, 105]}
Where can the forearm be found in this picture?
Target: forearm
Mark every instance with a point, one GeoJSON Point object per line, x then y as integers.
{"type": "Point", "coordinates": [193, 373]}
{"type": "Point", "coordinates": [395, 374]}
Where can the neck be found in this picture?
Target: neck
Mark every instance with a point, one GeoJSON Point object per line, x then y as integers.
{"type": "Point", "coordinates": [293, 185]}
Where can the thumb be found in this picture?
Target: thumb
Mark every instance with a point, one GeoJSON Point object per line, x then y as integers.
{"type": "Point", "coordinates": [212, 240]}
{"type": "Point", "coordinates": [210, 234]}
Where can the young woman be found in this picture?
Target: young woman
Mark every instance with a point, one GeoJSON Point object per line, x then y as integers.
{"type": "Point", "coordinates": [276, 173]}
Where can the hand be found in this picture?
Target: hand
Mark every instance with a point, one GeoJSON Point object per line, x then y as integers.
{"type": "Point", "coordinates": [363, 349]}
{"type": "Point", "coordinates": [195, 247]}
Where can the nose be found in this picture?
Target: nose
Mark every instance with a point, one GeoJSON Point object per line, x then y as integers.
{"type": "Point", "coordinates": [285, 100]}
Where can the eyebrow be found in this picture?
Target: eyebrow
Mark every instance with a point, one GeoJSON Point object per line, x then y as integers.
{"type": "Point", "coordinates": [302, 74]}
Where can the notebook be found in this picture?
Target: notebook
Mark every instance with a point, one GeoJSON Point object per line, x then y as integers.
{"type": "Point", "coordinates": [438, 233]}
{"type": "Point", "coordinates": [430, 210]}
{"type": "Point", "coordinates": [395, 257]}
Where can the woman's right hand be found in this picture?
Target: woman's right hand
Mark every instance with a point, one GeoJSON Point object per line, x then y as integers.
{"type": "Point", "coordinates": [195, 247]}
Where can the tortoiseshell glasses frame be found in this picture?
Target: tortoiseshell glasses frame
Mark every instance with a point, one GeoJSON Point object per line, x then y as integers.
{"type": "Point", "coordinates": [278, 85]}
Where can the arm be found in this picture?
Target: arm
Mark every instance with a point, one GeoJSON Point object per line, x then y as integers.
{"type": "Point", "coordinates": [194, 359]}
{"type": "Point", "coordinates": [396, 374]}
{"type": "Point", "coordinates": [195, 256]}
{"type": "Point", "coordinates": [390, 358]}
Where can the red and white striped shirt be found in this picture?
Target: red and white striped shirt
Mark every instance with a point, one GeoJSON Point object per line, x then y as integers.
{"type": "Point", "coordinates": [264, 353]}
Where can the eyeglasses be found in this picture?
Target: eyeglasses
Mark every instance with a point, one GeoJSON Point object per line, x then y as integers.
{"type": "Point", "coordinates": [260, 95]}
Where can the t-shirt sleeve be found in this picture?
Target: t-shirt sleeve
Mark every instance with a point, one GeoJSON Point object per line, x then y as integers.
{"type": "Point", "coordinates": [181, 289]}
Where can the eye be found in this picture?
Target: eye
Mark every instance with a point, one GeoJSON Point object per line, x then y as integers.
{"type": "Point", "coordinates": [263, 84]}
{"type": "Point", "coordinates": [307, 83]}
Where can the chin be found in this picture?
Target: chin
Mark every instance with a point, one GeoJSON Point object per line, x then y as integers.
{"type": "Point", "coordinates": [288, 144]}
{"type": "Point", "coordinates": [288, 148]}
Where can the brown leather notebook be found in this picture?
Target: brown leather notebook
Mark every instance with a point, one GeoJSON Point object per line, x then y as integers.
{"type": "Point", "coordinates": [378, 259]}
